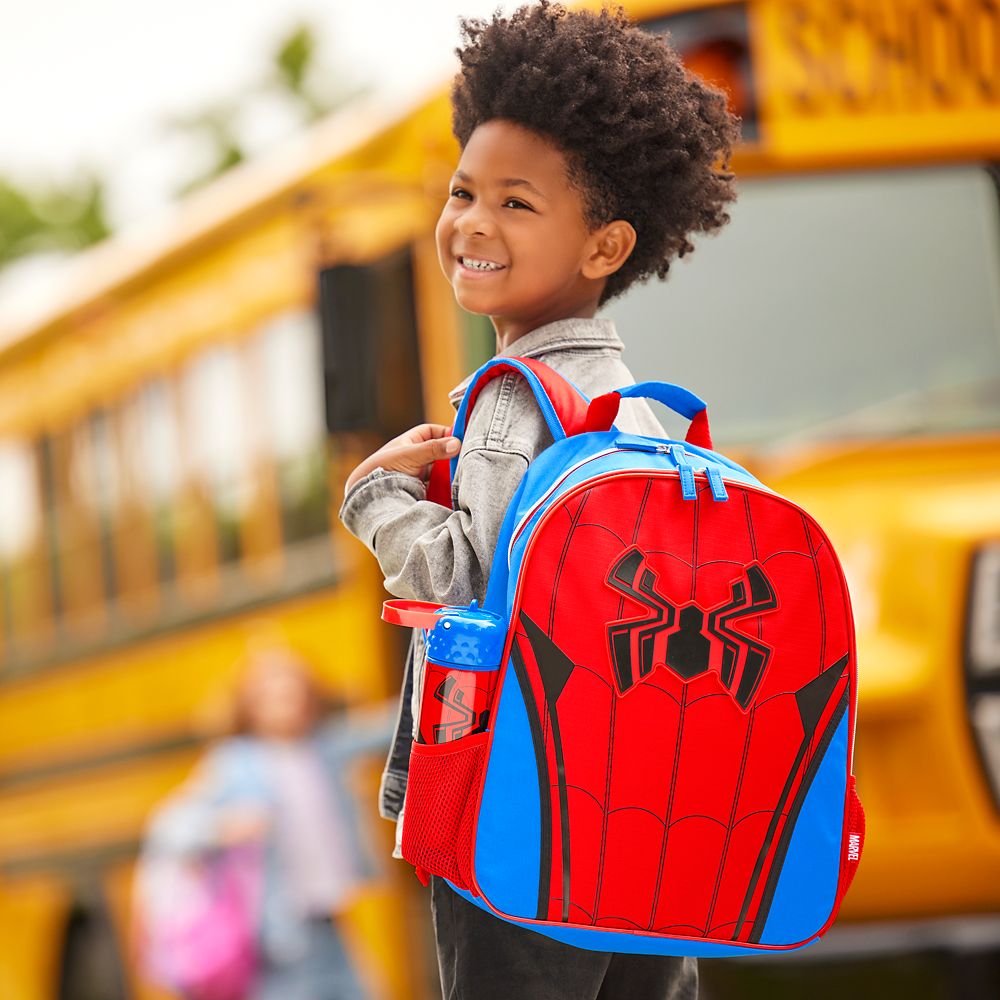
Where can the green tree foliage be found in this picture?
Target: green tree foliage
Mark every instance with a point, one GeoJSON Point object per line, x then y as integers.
{"type": "Point", "coordinates": [218, 126]}
{"type": "Point", "coordinates": [37, 219]}
{"type": "Point", "coordinates": [292, 62]}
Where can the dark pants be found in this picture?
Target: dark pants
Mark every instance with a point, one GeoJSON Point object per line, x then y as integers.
{"type": "Point", "coordinates": [482, 957]}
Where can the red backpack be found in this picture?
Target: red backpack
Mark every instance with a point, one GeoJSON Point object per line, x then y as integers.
{"type": "Point", "coordinates": [643, 741]}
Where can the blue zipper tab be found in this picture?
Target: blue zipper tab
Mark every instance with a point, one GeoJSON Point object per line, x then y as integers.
{"type": "Point", "coordinates": [715, 482]}
{"type": "Point", "coordinates": [681, 459]}
{"type": "Point", "coordinates": [689, 491]}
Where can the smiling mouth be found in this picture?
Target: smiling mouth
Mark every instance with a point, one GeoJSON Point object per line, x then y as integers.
{"type": "Point", "coordinates": [478, 267]}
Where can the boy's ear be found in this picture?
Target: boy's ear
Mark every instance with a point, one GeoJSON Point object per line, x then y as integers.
{"type": "Point", "coordinates": [609, 248]}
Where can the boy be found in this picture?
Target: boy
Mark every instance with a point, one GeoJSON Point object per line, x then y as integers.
{"type": "Point", "coordinates": [588, 159]}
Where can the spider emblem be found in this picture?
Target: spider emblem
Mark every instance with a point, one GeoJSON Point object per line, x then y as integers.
{"type": "Point", "coordinates": [451, 695]}
{"type": "Point", "coordinates": [682, 637]}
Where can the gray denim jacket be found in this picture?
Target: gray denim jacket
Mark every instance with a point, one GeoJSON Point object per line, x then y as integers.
{"type": "Point", "coordinates": [430, 553]}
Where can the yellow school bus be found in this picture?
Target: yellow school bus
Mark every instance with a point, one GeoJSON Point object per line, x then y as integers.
{"type": "Point", "coordinates": [845, 328]}
{"type": "Point", "coordinates": [177, 418]}
{"type": "Point", "coordinates": [169, 494]}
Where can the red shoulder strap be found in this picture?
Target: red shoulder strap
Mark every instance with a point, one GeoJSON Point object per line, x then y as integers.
{"type": "Point", "coordinates": [570, 405]}
{"type": "Point", "coordinates": [439, 483]}
{"type": "Point", "coordinates": [566, 413]}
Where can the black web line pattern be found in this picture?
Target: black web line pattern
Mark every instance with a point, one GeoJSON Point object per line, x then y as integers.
{"type": "Point", "coordinates": [611, 725]}
{"type": "Point", "coordinates": [733, 822]}
{"type": "Point", "coordinates": [667, 821]}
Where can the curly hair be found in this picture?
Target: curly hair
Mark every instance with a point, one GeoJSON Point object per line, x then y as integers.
{"type": "Point", "coordinates": [644, 139]}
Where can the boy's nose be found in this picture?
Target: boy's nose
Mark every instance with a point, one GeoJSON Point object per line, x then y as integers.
{"type": "Point", "coordinates": [474, 222]}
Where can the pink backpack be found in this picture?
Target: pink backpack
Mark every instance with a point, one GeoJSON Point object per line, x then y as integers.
{"type": "Point", "coordinates": [196, 921]}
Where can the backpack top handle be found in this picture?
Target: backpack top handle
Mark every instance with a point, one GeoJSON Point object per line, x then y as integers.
{"type": "Point", "coordinates": [566, 410]}
{"type": "Point", "coordinates": [603, 409]}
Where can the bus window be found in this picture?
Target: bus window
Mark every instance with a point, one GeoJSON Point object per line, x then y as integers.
{"type": "Point", "coordinates": [47, 480]}
{"type": "Point", "coordinates": [78, 573]}
{"type": "Point", "coordinates": [91, 964]}
{"type": "Point", "coordinates": [96, 480]}
{"type": "Point", "coordinates": [371, 355]}
{"type": "Point", "coordinates": [217, 425]}
{"type": "Point", "coordinates": [835, 305]}
{"type": "Point", "coordinates": [715, 44]}
{"type": "Point", "coordinates": [150, 478]}
{"type": "Point", "coordinates": [24, 603]}
{"type": "Point", "coordinates": [288, 363]}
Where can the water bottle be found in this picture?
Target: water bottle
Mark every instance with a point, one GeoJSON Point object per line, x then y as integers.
{"type": "Point", "coordinates": [464, 647]}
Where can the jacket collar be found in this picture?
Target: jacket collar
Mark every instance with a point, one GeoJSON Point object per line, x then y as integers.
{"type": "Point", "coordinates": [575, 333]}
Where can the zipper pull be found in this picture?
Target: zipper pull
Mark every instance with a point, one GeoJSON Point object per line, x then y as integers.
{"type": "Point", "coordinates": [632, 442]}
{"type": "Point", "coordinates": [688, 489]}
{"type": "Point", "coordinates": [680, 458]}
{"type": "Point", "coordinates": [715, 482]}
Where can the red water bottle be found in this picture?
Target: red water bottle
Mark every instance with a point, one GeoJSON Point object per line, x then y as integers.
{"type": "Point", "coordinates": [464, 647]}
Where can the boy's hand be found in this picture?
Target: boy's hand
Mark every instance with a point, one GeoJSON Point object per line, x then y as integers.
{"type": "Point", "coordinates": [413, 453]}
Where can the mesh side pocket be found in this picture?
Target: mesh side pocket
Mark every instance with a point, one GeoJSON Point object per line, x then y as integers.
{"type": "Point", "coordinates": [441, 794]}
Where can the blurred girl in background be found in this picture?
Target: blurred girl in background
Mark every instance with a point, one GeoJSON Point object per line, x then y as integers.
{"type": "Point", "coordinates": [273, 800]}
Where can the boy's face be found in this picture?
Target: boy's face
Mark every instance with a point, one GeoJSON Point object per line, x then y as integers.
{"type": "Point", "coordinates": [511, 204]}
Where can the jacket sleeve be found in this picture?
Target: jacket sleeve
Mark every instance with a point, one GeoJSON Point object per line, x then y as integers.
{"type": "Point", "coordinates": [427, 552]}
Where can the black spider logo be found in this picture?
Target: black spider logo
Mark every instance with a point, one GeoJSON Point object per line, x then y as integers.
{"type": "Point", "coordinates": [681, 637]}
{"type": "Point", "coordinates": [464, 720]}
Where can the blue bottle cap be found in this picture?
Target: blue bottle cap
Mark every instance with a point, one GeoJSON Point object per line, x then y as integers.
{"type": "Point", "coordinates": [467, 638]}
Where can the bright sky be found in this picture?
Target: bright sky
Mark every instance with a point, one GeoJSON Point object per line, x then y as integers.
{"type": "Point", "coordinates": [90, 81]}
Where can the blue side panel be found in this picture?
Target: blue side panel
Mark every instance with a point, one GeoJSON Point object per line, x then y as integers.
{"type": "Point", "coordinates": [807, 887]}
{"type": "Point", "coordinates": [508, 837]}
{"type": "Point", "coordinates": [627, 943]}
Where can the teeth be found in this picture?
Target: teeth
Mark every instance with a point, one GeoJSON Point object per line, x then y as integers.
{"type": "Point", "coordinates": [480, 265]}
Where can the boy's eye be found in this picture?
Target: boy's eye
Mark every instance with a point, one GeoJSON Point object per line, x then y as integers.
{"type": "Point", "coordinates": [461, 192]}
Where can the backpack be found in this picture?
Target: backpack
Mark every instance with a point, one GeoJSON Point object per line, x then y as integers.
{"type": "Point", "coordinates": [195, 921]}
{"type": "Point", "coordinates": [643, 741]}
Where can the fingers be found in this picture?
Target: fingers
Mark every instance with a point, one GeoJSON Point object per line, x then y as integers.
{"type": "Point", "coordinates": [447, 446]}
{"type": "Point", "coordinates": [413, 453]}
{"type": "Point", "coordinates": [422, 453]}
{"type": "Point", "coordinates": [422, 432]}
{"type": "Point", "coordinates": [435, 430]}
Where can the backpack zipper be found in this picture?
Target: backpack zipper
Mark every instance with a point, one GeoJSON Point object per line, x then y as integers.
{"type": "Point", "coordinates": [671, 450]}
